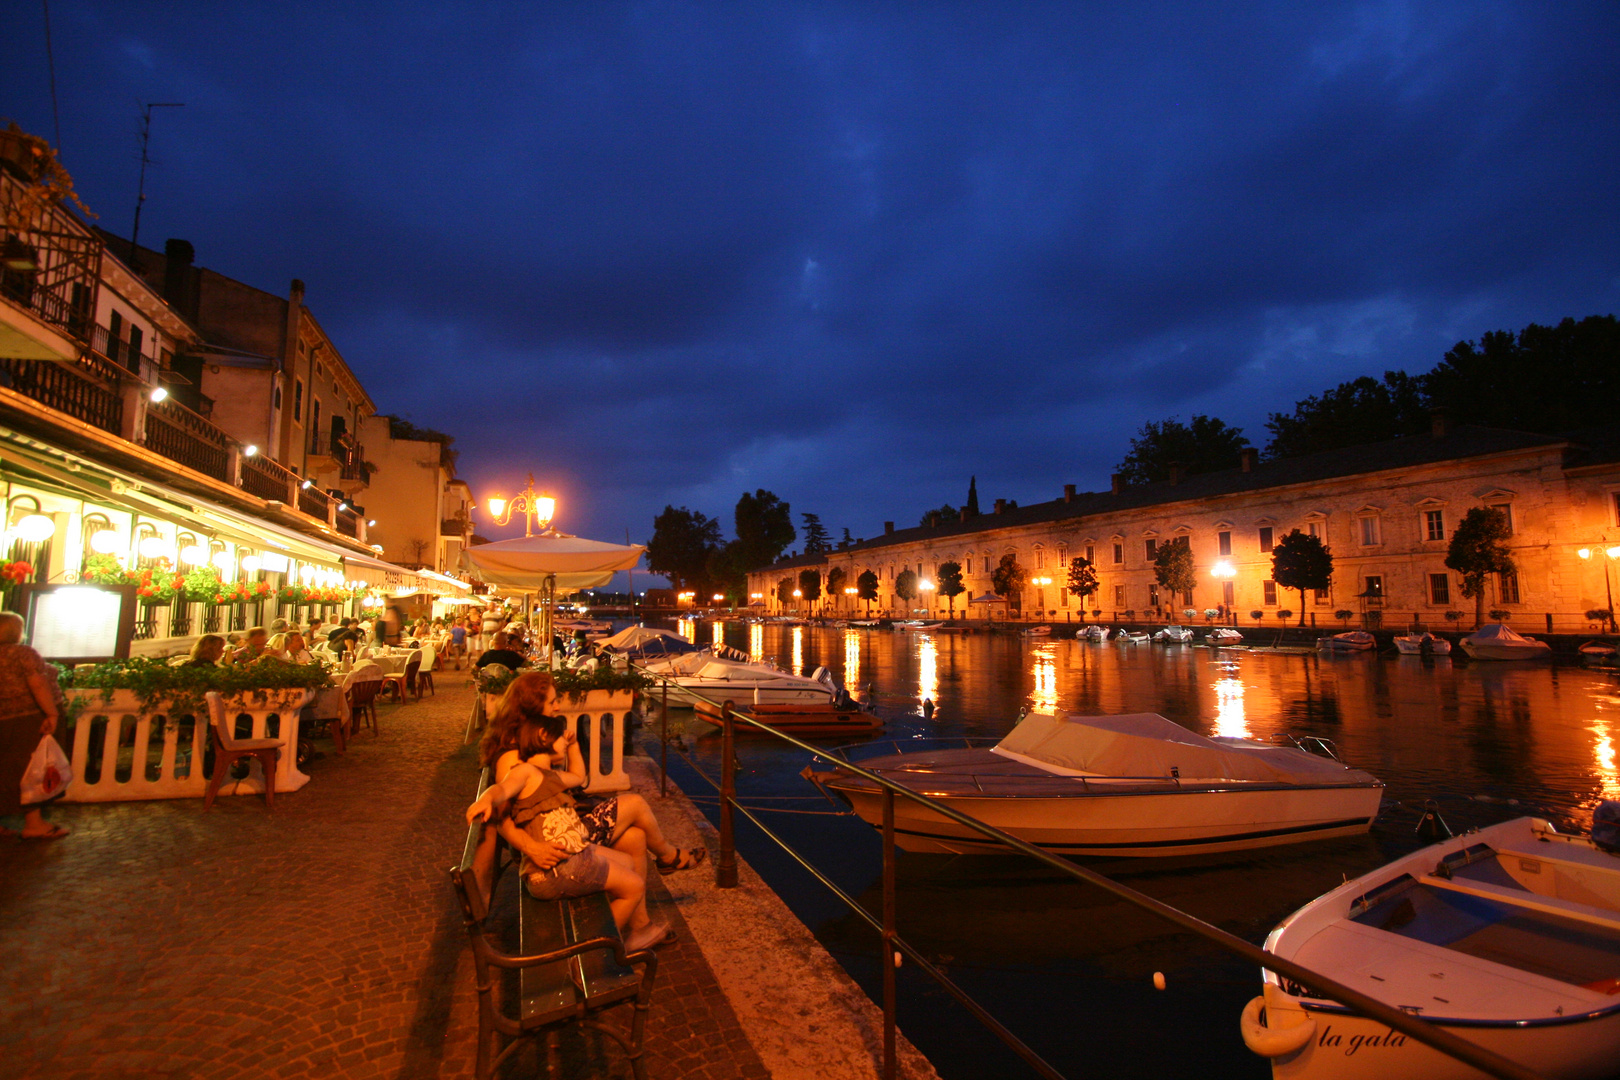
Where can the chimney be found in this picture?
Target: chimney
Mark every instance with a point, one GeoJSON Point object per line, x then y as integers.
{"type": "Point", "coordinates": [1068, 493]}
{"type": "Point", "coordinates": [1001, 504]}
{"type": "Point", "coordinates": [888, 527]}
{"type": "Point", "coordinates": [933, 519]}
{"type": "Point", "coordinates": [295, 292]}
{"type": "Point", "coordinates": [1116, 482]}
{"type": "Point", "coordinates": [964, 514]}
{"type": "Point", "coordinates": [178, 256]}
{"type": "Point", "coordinates": [1177, 470]}
{"type": "Point", "coordinates": [1440, 422]}
{"type": "Point", "coordinates": [1250, 457]}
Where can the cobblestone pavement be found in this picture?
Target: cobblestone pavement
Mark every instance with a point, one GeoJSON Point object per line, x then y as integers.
{"type": "Point", "coordinates": [160, 940]}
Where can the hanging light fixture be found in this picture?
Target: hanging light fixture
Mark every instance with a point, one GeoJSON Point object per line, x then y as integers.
{"type": "Point", "coordinates": [153, 547]}
{"type": "Point", "coordinates": [104, 541]}
{"type": "Point", "coordinates": [192, 554]}
{"type": "Point", "coordinates": [251, 563]}
{"type": "Point", "coordinates": [221, 560]}
{"type": "Point", "coordinates": [33, 528]}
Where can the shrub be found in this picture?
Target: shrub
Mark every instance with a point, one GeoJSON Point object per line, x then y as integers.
{"type": "Point", "coordinates": [1499, 614]}
{"type": "Point", "coordinates": [1284, 614]}
{"type": "Point", "coordinates": [1454, 616]}
{"type": "Point", "coordinates": [1599, 614]}
{"type": "Point", "coordinates": [1257, 616]}
{"type": "Point", "coordinates": [155, 682]}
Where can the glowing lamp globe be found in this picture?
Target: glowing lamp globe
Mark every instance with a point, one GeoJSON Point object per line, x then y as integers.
{"type": "Point", "coordinates": [34, 528]}
{"type": "Point", "coordinates": [104, 542]}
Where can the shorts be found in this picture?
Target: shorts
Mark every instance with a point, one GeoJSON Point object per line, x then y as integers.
{"type": "Point", "coordinates": [577, 875]}
{"type": "Point", "coordinates": [600, 820]}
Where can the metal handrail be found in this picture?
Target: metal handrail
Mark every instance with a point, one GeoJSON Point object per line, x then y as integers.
{"type": "Point", "coordinates": [726, 877]}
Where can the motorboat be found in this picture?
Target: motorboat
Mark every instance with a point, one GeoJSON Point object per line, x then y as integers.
{"type": "Point", "coordinates": [1353, 641]}
{"type": "Point", "coordinates": [1508, 936]}
{"type": "Point", "coordinates": [1131, 637]}
{"type": "Point", "coordinates": [835, 718]}
{"type": "Point", "coordinates": [1174, 635]}
{"type": "Point", "coordinates": [1038, 631]}
{"type": "Point", "coordinates": [1424, 644]}
{"type": "Point", "coordinates": [1599, 654]}
{"type": "Point", "coordinates": [1498, 641]}
{"type": "Point", "coordinates": [918, 624]}
{"type": "Point", "coordinates": [700, 676]}
{"type": "Point", "coordinates": [1137, 785]}
{"type": "Point", "coordinates": [1093, 632]}
{"type": "Point", "coordinates": [1223, 635]}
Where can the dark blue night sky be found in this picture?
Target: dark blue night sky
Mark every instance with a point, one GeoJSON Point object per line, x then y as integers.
{"type": "Point", "coordinates": [664, 252]}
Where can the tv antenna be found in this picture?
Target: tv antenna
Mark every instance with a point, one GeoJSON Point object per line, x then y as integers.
{"type": "Point", "coordinates": [140, 195]}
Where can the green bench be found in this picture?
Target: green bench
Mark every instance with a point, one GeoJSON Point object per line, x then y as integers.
{"type": "Point", "coordinates": [571, 965]}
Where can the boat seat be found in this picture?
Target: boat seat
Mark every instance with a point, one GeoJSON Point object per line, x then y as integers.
{"type": "Point", "coordinates": [1518, 896]}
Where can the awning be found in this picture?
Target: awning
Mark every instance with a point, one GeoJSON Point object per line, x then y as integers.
{"type": "Point", "coordinates": [390, 578]}
{"type": "Point", "coordinates": [564, 563]}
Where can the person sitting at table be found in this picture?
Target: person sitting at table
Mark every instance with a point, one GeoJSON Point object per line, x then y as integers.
{"type": "Point", "coordinates": [315, 635]}
{"type": "Point", "coordinates": [290, 647]}
{"type": "Point", "coordinates": [502, 653]}
{"type": "Point", "coordinates": [206, 651]}
{"type": "Point", "coordinates": [253, 646]}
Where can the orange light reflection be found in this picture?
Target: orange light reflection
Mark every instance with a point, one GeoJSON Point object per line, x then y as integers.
{"type": "Point", "coordinates": [756, 642]}
{"type": "Point", "coordinates": [852, 661]}
{"type": "Point", "coordinates": [928, 670]}
{"type": "Point", "coordinates": [798, 650]}
{"type": "Point", "coordinates": [1230, 721]}
{"type": "Point", "coordinates": [1043, 699]}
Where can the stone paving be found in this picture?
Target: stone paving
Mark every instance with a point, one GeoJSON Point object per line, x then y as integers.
{"type": "Point", "coordinates": [162, 940]}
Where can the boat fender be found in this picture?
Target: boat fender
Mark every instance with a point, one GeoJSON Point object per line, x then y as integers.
{"type": "Point", "coordinates": [1158, 980]}
{"type": "Point", "coordinates": [928, 708]}
{"type": "Point", "coordinates": [1606, 826]}
{"type": "Point", "coordinates": [1274, 1042]}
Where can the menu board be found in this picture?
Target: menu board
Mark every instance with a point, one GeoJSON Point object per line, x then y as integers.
{"type": "Point", "coordinates": [79, 622]}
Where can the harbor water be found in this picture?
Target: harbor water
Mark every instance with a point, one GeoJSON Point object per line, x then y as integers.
{"type": "Point", "coordinates": [1066, 967]}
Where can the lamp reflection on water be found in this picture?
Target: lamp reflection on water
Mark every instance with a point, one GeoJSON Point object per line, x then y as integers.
{"type": "Point", "coordinates": [798, 650]}
{"type": "Point", "coordinates": [852, 661]}
{"type": "Point", "coordinates": [756, 643]}
{"type": "Point", "coordinates": [1044, 697]}
{"type": "Point", "coordinates": [928, 670]}
{"type": "Point", "coordinates": [688, 629]}
{"type": "Point", "coordinates": [719, 632]}
{"type": "Point", "coordinates": [1230, 721]}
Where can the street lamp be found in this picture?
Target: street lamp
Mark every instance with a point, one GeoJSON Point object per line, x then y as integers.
{"type": "Point", "coordinates": [1613, 553]}
{"type": "Point", "coordinates": [1225, 572]}
{"type": "Point", "coordinates": [537, 509]}
{"type": "Point", "coordinates": [1040, 598]}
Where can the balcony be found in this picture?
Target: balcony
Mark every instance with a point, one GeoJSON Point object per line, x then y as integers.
{"type": "Point", "coordinates": [84, 389]}
{"type": "Point", "coordinates": [50, 268]}
{"type": "Point", "coordinates": [181, 435]}
{"type": "Point", "coordinates": [340, 453]}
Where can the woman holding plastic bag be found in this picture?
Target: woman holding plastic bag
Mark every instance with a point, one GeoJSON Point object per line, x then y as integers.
{"type": "Point", "coordinates": [30, 704]}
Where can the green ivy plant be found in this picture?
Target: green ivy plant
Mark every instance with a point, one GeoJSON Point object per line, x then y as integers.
{"type": "Point", "coordinates": [180, 689]}
{"type": "Point", "coordinates": [495, 678]}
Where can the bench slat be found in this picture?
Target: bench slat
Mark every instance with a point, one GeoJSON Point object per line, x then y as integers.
{"type": "Point", "coordinates": [600, 975]}
{"type": "Point", "coordinates": [547, 988]}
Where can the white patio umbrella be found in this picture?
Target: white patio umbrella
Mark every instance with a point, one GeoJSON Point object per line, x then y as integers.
{"type": "Point", "coordinates": [546, 564]}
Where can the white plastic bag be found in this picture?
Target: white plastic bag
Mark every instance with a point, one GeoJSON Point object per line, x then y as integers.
{"type": "Point", "coordinates": [48, 774]}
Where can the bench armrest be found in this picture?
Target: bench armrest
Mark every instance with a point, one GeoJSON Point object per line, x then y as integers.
{"type": "Point", "coordinates": [639, 958]}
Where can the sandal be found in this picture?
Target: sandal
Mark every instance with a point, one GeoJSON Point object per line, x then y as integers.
{"type": "Point", "coordinates": [683, 860]}
{"type": "Point", "coordinates": [56, 832]}
{"type": "Point", "coordinates": [650, 936]}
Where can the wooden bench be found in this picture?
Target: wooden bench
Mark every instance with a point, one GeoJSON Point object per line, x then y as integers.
{"type": "Point", "coordinates": [571, 965]}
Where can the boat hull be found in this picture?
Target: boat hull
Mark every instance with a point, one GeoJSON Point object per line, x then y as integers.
{"type": "Point", "coordinates": [687, 693]}
{"type": "Point", "coordinates": [1131, 824]}
{"type": "Point", "coordinates": [1539, 651]}
{"type": "Point", "coordinates": [801, 719]}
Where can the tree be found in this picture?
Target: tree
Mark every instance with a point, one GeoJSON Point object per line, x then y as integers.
{"type": "Point", "coordinates": [1360, 411]}
{"type": "Point", "coordinates": [1479, 549]}
{"type": "Point", "coordinates": [1082, 581]}
{"type": "Point", "coordinates": [816, 540]}
{"type": "Point", "coordinates": [1008, 579]}
{"type": "Point", "coordinates": [950, 584]}
{"type": "Point", "coordinates": [1544, 379]}
{"type": "Point", "coordinates": [1173, 568]}
{"type": "Point", "coordinates": [810, 584]}
{"type": "Point", "coordinates": [905, 586]}
{"type": "Point", "coordinates": [727, 572]}
{"type": "Point", "coordinates": [682, 542]}
{"type": "Point", "coordinates": [935, 518]}
{"type": "Point", "coordinates": [835, 582]}
{"type": "Point", "coordinates": [1204, 445]}
{"type": "Point", "coordinates": [764, 527]}
{"type": "Point", "coordinates": [972, 505]}
{"type": "Point", "coordinates": [1301, 561]}
{"type": "Point", "coordinates": [847, 541]}
{"type": "Point", "coordinates": [866, 587]}
{"type": "Point", "coordinates": [784, 591]}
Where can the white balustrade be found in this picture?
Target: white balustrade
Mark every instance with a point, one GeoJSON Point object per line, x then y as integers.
{"type": "Point", "coordinates": [606, 716]}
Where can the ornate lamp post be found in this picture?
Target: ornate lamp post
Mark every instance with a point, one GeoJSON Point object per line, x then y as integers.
{"type": "Point", "coordinates": [537, 509]}
{"type": "Point", "coordinates": [1612, 554]}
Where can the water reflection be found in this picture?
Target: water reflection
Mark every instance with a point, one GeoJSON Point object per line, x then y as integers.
{"type": "Point", "coordinates": [756, 642]}
{"type": "Point", "coordinates": [798, 650]}
{"type": "Point", "coordinates": [688, 629]}
{"type": "Point", "coordinates": [928, 669]}
{"type": "Point", "coordinates": [718, 632]}
{"type": "Point", "coordinates": [1044, 697]}
{"type": "Point", "coordinates": [1230, 721]}
{"type": "Point", "coordinates": [852, 661]}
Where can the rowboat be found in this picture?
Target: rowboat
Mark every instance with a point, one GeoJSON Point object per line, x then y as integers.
{"type": "Point", "coordinates": [1354, 641]}
{"type": "Point", "coordinates": [1508, 936]}
{"type": "Point", "coordinates": [799, 719]}
{"type": "Point", "coordinates": [1137, 785]}
{"type": "Point", "coordinates": [1421, 644]}
{"type": "Point", "coordinates": [1498, 641]}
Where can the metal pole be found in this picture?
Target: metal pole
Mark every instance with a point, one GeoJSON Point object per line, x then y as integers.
{"type": "Point", "coordinates": [890, 956]}
{"type": "Point", "coordinates": [663, 724]}
{"type": "Point", "coordinates": [725, 868]}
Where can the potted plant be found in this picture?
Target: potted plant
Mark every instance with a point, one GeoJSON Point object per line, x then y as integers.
{"type": "Point", "coordinates": [1344, 615]}
{"type": "Point", "coordinates": [1258, 616]}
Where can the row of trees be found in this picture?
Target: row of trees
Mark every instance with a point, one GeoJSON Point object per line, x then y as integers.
{"type": "Point", "coordinates": [1548, 379]}
{"type": "Point", "coordinates": [688, 549]}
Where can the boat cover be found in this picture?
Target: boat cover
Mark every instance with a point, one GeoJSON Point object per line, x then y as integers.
{"type": "Point", "coordinates": [1147, 744]}
{"type": "Point", "coordinates": [1498, 634]}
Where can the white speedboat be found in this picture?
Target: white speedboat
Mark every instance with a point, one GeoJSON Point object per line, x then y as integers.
{"type": "Point", "coordinates": [1424, 644]}
{"type": "Point", "coordinates": [1039, 631]}
{"type": "Point", "coordinates": [1093, 633]}
{"type": "Point", "coordinates": [1499, 642]}
{"type": "Point", "coordinates": [698, 676]}
{"type": "Point", "coordinates": [1131, 637]}
{"type": "Point", "coordinates": [1114, 785]}
{"type": "Point", "coordinates": [1354, 641]}
{"type": "Point", "coordinates": [1508, 936]}
{"type": "Point", "coordinates": [1174, 635]}
{"type": "Point", "coordinates": [1223, 635]}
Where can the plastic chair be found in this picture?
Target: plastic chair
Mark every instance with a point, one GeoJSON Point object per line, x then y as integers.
{"type": "Point", "coordinates": [228, 750]}
{"type": "Point", "coordinates": [362, 695]}
{"type": "Point", "coordinates": [398, 683]}
{"type": "Point", "coordinates": [424, 674]}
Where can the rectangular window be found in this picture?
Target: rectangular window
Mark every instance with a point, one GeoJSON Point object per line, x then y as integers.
{"type": "Point", "coordinates": [298, 401]}
{"type": "Point", "coordinates": [1507, 512]}
{"type": "Point", "coordinates": [1063, 598]}
{"type": "Point", "coordinates": [1617, 507]}
{"type": "Point", "coordinates": [315, 415]}
{"type": "Point", "coordinates": [1265, 538]}
{"type": "Point", "coordinates": [1040, 558]}
{"type": "Point", "coordinates": [275, 396]}
{"type": "Point", "coordinates": [136, 340]}
{"type": "Point", "coordinates": [1269, 591]}
{"type": "Point", "coordinates": [1375, 587]}
{"type": "Point", "coordinates": [1434, 525]}
{"type": "Point", "coordinates": [1119, 554]}
{"type": "Point", "coordinates": [1369, 532]}
{"type": "Point", "coordinates": [1312, 529]}
{"type": "Point", "coordinates": [1223, 542]}
{"type": "Point", "coordinates": [1227, 592]}
{"type": "Point", "coordinates": [1439, 589]}
{"type": "Point", "coordinates": [1323, 597]}
{"type": "Point", "coordinates": [1507, 588]}
{"type": "Point", "coordinates": [1153, 595]}
{"type": "Point", "coordinates": [115, 335]}
{"type": "Point", "coordinates": [1091, 554]}
{"type": "Point", "coordinates": [1119, 596]}
{"type": "Point", "coordinates": [1152, 550]}
{"type": "Point", "coordinates": [987, 564]}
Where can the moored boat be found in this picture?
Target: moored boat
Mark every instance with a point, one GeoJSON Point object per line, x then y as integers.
{"type": "Point", "coordinates": [1174, 635]}
{"type": "Point", "coordinates": [1093, 632]}
{"type": "Point", "coordinates": [1424, 644]}
{"type": "Point", "coordinates": [1508, 936]}
{"type": "Point", "coordinates": [1138, 785]}
{"type": "Point", "coordinates": [1223, 635]}
{"type": "Point", "coordinates": [1038, 631]}
{"type": "Point", "coordinates": [698, 677]}
{"type": "Point", "coordinates": [829, 719]}
{"type": "Point", "coordinates": [1498, 641]}
{"type": "Point", "coordinates": [1599, 654]}
{"type": "Point", "coordinates": [1354, 641]}
{"type": "Point", "coordinates": [1131, 637]}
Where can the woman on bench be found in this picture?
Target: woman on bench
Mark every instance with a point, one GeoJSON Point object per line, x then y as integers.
{"type": "Point", "coordinates": [536, 761]}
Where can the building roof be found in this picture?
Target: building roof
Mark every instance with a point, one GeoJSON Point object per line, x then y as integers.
{"type": "Point", "coordinates": [1462, 441]}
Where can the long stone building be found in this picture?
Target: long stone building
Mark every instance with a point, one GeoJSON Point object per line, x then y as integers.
{"type": "Point", "coordinates": [1386, 511]}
